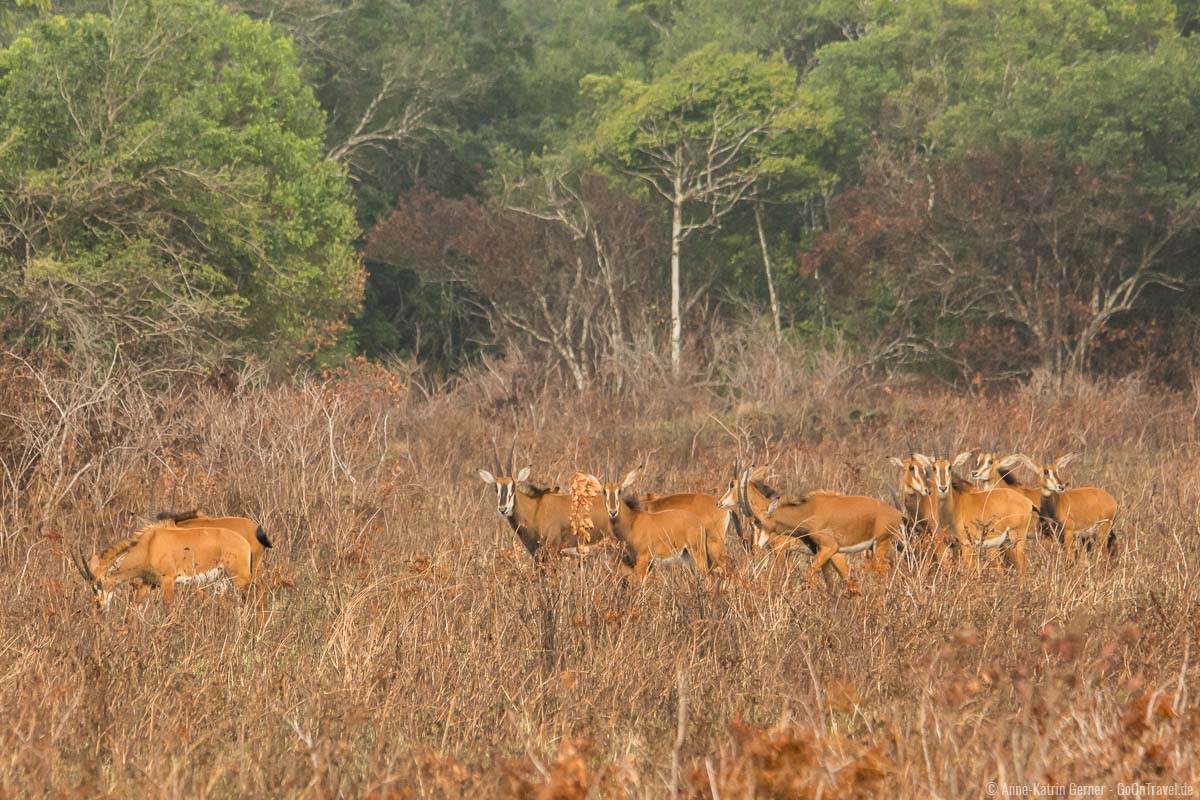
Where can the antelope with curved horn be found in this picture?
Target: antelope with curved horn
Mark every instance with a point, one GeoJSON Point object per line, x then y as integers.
{"type": "Point", "coordinates": [1078, 513]}
{"type": "Point", "coordinates": [664, 535]}
{"type": "Point", "coordinates": [162, 555]}
{"type": "Point", "coordinates": [831, 525]}
{"type": "Point", "coordinates": [971, 515]}
{"type": "Point", "coordinates": [541, 518]}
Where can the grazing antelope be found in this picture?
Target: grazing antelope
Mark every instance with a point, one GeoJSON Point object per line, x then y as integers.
{"type": "Point", "coordinates": [662, 535]}
{"type": "Point", "coordinates": [1078, 513]}
{"type": "Point", "coordinates": [541, 518]}
{"type": "Point", "coordinates": [831, 525]}
{"type": "Point", "coordinates": [162, 555]}
{"type": "Point", "coordinates": [917, 504]}
{"type": "Point", "coordinates": [248, 529]}
{"type": "Point", "coordinates": [971, 515]}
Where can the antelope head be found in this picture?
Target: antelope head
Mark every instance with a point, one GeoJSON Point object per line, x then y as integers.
{"type": "Point", "coordinates": [503, 479]}
{"type": "Point", "coordinates": [990, 466]}
{"type": "Point", "coordinates": [912, 473]}
{"type": "Point", "coordinates": [758, 537]}
{"type": "Point", "coordinates": [87, 570]}
{"type": "Point", "coordinates": [729, 500]}
{"type": "Point", "coordinates": [612, 488]}
{"type": "Point", "coordinates": [943, 471]}
{"type": "Point", "coordinates": [1052, 483]}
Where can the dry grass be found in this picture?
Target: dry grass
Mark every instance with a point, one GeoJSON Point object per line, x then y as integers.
{"type": "Point", "coordinates": [409, 650]}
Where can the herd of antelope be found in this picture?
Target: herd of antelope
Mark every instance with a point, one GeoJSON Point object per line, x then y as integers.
{"type": "Point", "coordinates": [936, 512]}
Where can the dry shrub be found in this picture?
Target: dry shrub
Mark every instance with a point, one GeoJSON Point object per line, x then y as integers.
{"type": "Point", "coordinates": [405, 650]}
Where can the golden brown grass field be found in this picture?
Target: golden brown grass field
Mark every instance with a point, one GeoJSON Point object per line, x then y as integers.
{"type": "Point", "coordinates": [408, 649]}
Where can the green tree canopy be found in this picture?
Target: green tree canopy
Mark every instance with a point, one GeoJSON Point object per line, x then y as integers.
{"type": "Point", "coordinates": [163, 167]}
{"type": "Point", "coordinates": [705, 134]}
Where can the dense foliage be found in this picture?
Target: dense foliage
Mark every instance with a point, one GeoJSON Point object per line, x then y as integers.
{"type": "Point", "coordinates": [163, 187]}
{"type": "Point", "coordinates": [970, 186]}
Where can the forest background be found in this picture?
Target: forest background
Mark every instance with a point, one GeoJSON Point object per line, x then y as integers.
{"type": "Point", "coordinates": [961, 189]}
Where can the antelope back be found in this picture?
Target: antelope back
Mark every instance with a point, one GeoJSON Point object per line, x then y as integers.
{"type": "Point", "coordinates": [194, 550]}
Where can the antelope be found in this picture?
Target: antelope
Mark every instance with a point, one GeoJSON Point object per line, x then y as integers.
{"type": "Point", "coordinates": [702, 505]}
{"type": "Point", "coordinates": [991, 472]}
{"type": "Point", "coordinates": [1078, 513]}
{"type": "Point", "coordinates": [663, 535]}
{"type": "Point", "coordinates": [970, 515]}
{"type": "Point", "coordinates": [831, 525]}
{"type": "Point", "coordinates": [248, 529]}
{"type": "Point", "coordinates": [160, 554]}
{"type": "Point", "coordinates": [541, 518]}
{"type": "Point", "coordinates": [917, 503]}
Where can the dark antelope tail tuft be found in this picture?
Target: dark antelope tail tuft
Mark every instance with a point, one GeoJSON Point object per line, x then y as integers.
{"type": "Point", "coordinates": [177, 516]}
{"type": "Point", "coordinates": [261, 535]}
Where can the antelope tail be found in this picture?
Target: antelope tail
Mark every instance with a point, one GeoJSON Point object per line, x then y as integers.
{"type": "Point", "coordinates": [261, 535]}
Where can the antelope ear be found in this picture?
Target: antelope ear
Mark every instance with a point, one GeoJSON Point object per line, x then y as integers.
{"type": "Point", "coordinates": [774, 505]}
{"type": "Point", "coordinates": [487, 476]}
{"type": "Point", "coordinates": [924, 460]}
{"type": "Point", "coordinates": [897, 461]}
{"type": "Point", "coordinates": [1064, 460]}
{"type": "Point", "coordinates": [1027, 461]}
{"type": "Point", "coordinates": [961, 459]}
{"type": "Point", "coordinates": [1008, 462]}
{"type": "Point", "coordinates": [523, 475]}
{"type": "Point", "coordinates": [595, 481]}
{"type": "Point", "coordinates": [631, 476]}
{"type": "Point", "coordinates": [759, 473]}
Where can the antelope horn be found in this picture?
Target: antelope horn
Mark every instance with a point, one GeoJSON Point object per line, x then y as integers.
{"type": "Point", "coordinates": [82, 565]}
{"type": "Point", "coordinates": [512, 451]}
{"type": "Point", "coordinates": [75, 564]}
{"type": "Point", "coordinates": [744, 494]}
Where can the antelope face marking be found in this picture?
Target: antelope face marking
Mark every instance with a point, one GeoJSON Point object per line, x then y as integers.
{"type": "Point", "coordinates": [983, 467]}
{"type": "Point", "coordinates": [914, 479]}
{"type": "Point", "coordinates": [506, 490]}
{"type": "Point", "coordinates": [942, 477]}
{"type": "Point", "coordinates": [761, 538]}
{"type": "Point", "coordinates": [1051, 482]}
{"type": "Point", "coordinates": [506, 496]}
{"type": "Point", "coordinates": [612, 499]}
{"type": "Point", "coordinates": [912, 474]}
{"type": "Point", "coordinates": [729, 499]}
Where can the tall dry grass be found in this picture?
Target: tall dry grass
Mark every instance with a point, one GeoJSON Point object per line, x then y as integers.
{"type": "Point", "coordinates": [408, 649]}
